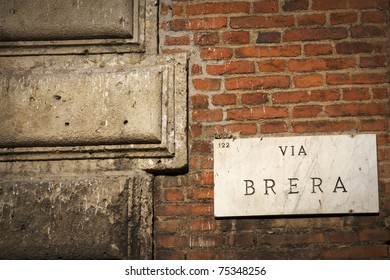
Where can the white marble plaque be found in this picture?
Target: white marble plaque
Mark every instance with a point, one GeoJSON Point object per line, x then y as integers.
{"type": "Point", "coordinates": [296, 175]}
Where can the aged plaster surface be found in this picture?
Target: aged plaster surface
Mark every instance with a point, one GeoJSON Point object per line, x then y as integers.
{"type": "Point", "coordinates": [75, 167]}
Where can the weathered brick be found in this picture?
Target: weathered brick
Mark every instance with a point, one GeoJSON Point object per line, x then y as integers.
{"type": "Point", "coordinates": [365, 78]}
{"type": "Point", "coordinates": [305, 81]}
{"type": "Point", "coordinates": [200, 255]}
{"type": "Point", "coordinates": [169, 225]}
{"type": "Point", "coordinates": [373, 61]}
{"type": "Point", "coordinates": [268, 37]}
{"type": "Point", "coordinates": [256, 113]}
{"type": "Point", "coordinates": [196, 69]}
{"type": "Point", "coordinates": [184, 209]}
{"type": "Point", "coordinates": [172, 241]}
{"type": "Point", "coordinates": [265, 82]}
{"type": "Point", "coordinates": [307, 111]}
{"type": "Point", "coordinates": [290, 97]}
{"type": "Point", "coordinates": [241, 128]}
{"type": "Point", "coordinates": [201, 147]}
{"type": "Point", "coordinates": [277, 51]}
{"type": "Point", "coordinates": [354, 47]}
{"type": "Point", "coordinates": [254, 98]}
{"type": "Point", "coordinates": [203, 225]}
{"type": "Point", "coordinates": [207, 115]}
{"type": "Point", "coordinates": [273, 127]}
{"type": "Point", "coordinates": [350, 252]}
{"type": "Point", "coordinates": [362, 4]}
{"type": "Point", "coordinates": [198, 24]}
{"type": "Point", "coordinates": [207, 84]}
{"type": "Point", "coordinates": [342, 237]}
{"type": "Point", "coordinates": [217, 8]}
{"type": "Point", "coordinates": [356, 109]}
{"type": "Point", "coordinates": [323, 126]}
{"type": "Point", "coordinates": [271, 6]}
{"type": "Point", "coordinates": [374, 234]}
{"type": "Point", "coordinates": [329, 5]}
{"type": "Point", "coordinates": [318, 49]}
{"type": "Point", "coordinates": [173, 194]}
{"type": "Point", "coordinates": [374, 125]}
{"type": "Point", "coordinates": [325, 95]}
{"type": "Point", "coordinates": [312, 19]}
{"type": "Point", "coordinates": [295, 238]}
{"type": "Point", "coordinates": [356, 94]}
{"type": "Point", "coordinates": [224, 99]}
{"type": "Point", "coordinates": [179, 40]}
{"type": "Point", "coordinates": [373, 17]}
{"type": "Point", "coordinates": [206, 38]}
{"type": "Point", "coordinates": [216, 53]}
{"type": "Point", "coordinates": [294, 5]}
{"type": "Point", "coordinates": [367, 31]}
{"type": "Point", "coordinates": [199, 101]}
{"type": "Point", "coordinates": [314, 34]}
{"type": "Point", "coordinates": [262, 21]}
{"type": "Point", "coordinates": [235, 67]}
{"type": "Point", "coordinates": [321, 64]}
{"type": "Point", "coordinates": [272, 65]}
{"type": "Point", "coordinates": [343, 18]}
{"type": "Point", "coordinates": [236, 37]}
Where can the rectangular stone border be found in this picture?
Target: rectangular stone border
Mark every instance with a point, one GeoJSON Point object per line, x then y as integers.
{"type": "Point", "coordinates": [171, 153]}
{"type": "Point", "coordinates": [144, 39]}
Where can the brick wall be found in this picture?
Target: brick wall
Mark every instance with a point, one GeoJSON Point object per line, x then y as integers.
{"type": "Point", "coordinates": [274, 68]}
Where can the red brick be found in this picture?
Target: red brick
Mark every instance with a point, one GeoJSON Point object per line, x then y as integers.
{"type": "Point", "coordinates": [338, 79]}
{"type": "Point", "coordinates": [217, 8]}
{"type": "Point", "coordinates": [305, 81]}
{"type": "Point", "coordinates": [198, 24]}
{"type": "Point", "coordinates": [256, 113]}
{"type": "Point", "coordinates": [184, 209]}
{"type": "Point", "coordinates": [207, 115]}
{"type": "Point", "coordinates": [356, 94]}
{"type": "Point", "coordinates": [169, 225]}
{"type": "Point", "coordinates": [313, 64]}
{"type": "Point", "coordinates": [325, 95]}
{"type": "Point", "coordinates": [290, 97]}
{"type": "Point", "coordinates": [354, 47]}
{"type": "Point", "coordinates": [202, 193]}
{"type": "Point", "coordinates": [362, 4]}
{"type": "Point", "coordinates": [294, 5]}
{"type": "Point", "coordinates": [370, 78]}
{"type": "Point", "coordinates": [224, 99]}
{"type": "Point", "coordinates": [364, 252]}
{"type": "Point", "coordinates": [293, 238]}
{"type": "Point", "coordinates": [373, 17]}
{"type": "Point", "coordinates": [173, 194]}
{"type": "Point", "coordinates": [373, 61]}
{"type": "Point", "coordinates": [206, 38]}
{"type": "Point", "coordinates": [242, 128]}
{"type": "Point", "coordinates": [177, 10]}
{"type": "Point", "coordinates": [272, 65]}
{"type": "Point", "coordinates": [202, 225]}
{"type": "Point", "coordinates": [235, 67]}
{"type": "Point", "coordinates": [180, 40]}
{"type": "Point", "coordinates": [254, 98]}
{"type": "Point", "coordinates": [374, 125]}
{"type": "Point", "coordinates": [169, 255]}
{"type": "Point", "coordinates": [323, 126]}
{"type": "Point", "coordinates": [196, 69]}
{"type": "Point", "coordinates": [268, 37]}
{"type": "Point", "coordinates": [318, 49]}
{"type": "Point", "coordinates": [206, 178]}
{"type": "Point", "coordinates": [352, 109]}
{"type": "Point", "coordinates": [277, 51]}
{"type": "Point", "coordinates": [172, 241]}
{"type": "Point", "coordinates": [380, 93]}
{"type": "Point", "coordinates": [262, 21]}
{"type": "Point", "coordinates": [200, 255]}
{"type": "Point", "coordinates": [306, 111]}
{"type": "Point", "coordinates": [312, 19]}
{"type": "Point", "coordinates": [342, 237]}
{"type": "Point", "coordinates": [207, 84]}
{"type": "Point", "coordinates": [195, 130]}
{"type": "Point", "coordinates": [329, 5]}
{"type": "Point", "coordinates": [201, 147]}
{"type": "Point", "coordinates": [314, 34]}
{"type": "Point", "coordinates": [273, 127]}
{"type": "Point", "coordinates": [375, 234]}
{"type": "Point", "coordinates": [216, 53]}
{"type": "Point", "coordinates": [199, 101]}
{"type": "Point", "coordinates": [265, 82]}
{"type": "Point", "coordinates": [343, 18]}
{"type": "Point", "coordinates": [367, 31]}
{"type": "Point", "coordinates": [236, 37]}
{"type": "Point", "coordinates": [266, 6]}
